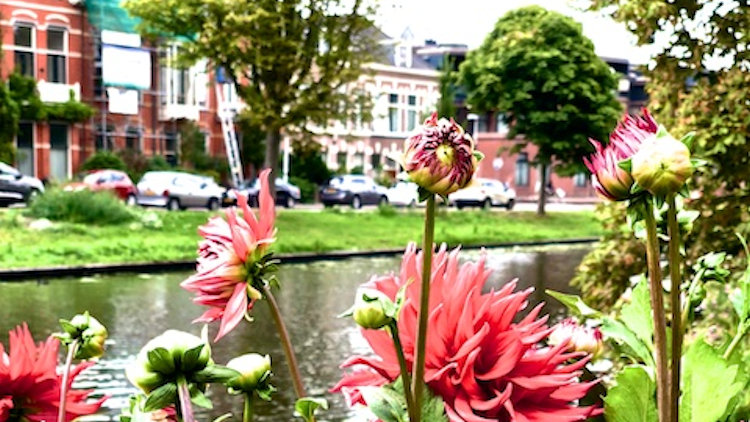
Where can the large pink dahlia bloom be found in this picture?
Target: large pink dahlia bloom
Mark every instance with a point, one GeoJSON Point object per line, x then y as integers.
{"type": "Point", "coordinates": [610, 181]}
{"type": "Point", "coordinates": [484, 363]}
{"type": "Point", "coordinates": [30, 384]}
{"type": "Point", "coordinates": [227, 255]}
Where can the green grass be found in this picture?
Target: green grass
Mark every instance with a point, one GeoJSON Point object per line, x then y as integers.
{"type": "Point", "coordinates": [298, 231]}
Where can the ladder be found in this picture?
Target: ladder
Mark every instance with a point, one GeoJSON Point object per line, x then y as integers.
{"type": "Point", "coordinates": [226, 112]}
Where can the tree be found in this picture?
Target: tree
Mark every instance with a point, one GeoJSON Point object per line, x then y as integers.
{"type": "Point", "coordinates": [446, 106]}
{"type": "Point", "coordinates": [538, 69]}
{"type": "Point", "coordinates": [292, 61]}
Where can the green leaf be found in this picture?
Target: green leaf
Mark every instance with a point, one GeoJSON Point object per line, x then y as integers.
{"type": "Point", "coordinates": [708, 384]}
{"type": "Point", "coordinates": [386, 403]}
{"type": "Point", "coordinates": [199, 399]}
{"type": "Point", "coordinates": [424, 194]}
{"type": "Point", "coordinates": [68, 327]}
{"type": "Point", "coordinates": [191, 358]}
{"type": "Point", "coordinates": [478, 155]}
{"type": "Point", "coordinates": [636, 315]}
{"type": "Point", "coordinates": [214, 373]}
{"type": "Point", "coordinates": [161, 360]}
{"type": "Point", "coordinates": [688, 139]}
{"type": "Point", "coordinates": [631, 345]}
{"type": "Point", "coordinates": [307, 407]}
{"type": "Point", "coordinates": [626, 165]}
{"type": "Point", "coordinates": [161, 397]}
{"type": "Point", "coordinates": [575, 304]}
{"type": "Point", "coordinates": [631, 399]}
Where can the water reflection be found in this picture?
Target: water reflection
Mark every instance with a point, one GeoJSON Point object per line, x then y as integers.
{"type": "Point", "coordinates": [136, 308]}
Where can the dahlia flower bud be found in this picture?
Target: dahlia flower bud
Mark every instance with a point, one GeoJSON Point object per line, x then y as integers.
{"type": "Point", "coordinates": [441, 157]}
{"type": "Point", "coordinates": [579, 337]}
{"type": "Point", "coordinates": [662, 165]}
{"type": "Point", "coordinates": [89, 333]}
{"type": "Point", "coordinates": [254, 371]}
{"type": "Point", "coordinates": [166, 356]}
{"type": "Point", "coordinates": [373, 310]}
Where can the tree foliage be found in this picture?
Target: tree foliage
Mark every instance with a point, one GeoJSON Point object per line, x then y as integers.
{"type": "Point", "coordinates": [538, 69]}
{"type": "Point", "coordinates": [291, 60]}
{"type": "Point", "coordinates": [699, 82]}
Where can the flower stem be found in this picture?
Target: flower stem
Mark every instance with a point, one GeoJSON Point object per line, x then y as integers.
{"type": "Point", "coordinates": [741, 331]}
{"type": "Point", "coordinates": [405, 378]}
{"type": "Point", "coordinates": [657, 306]}
{"type": "Point", "coordinates": [286, 342]}
{"type": "Point", "coordinates": [72, 349]}
{"type": "Point", "coordinates": [247, 415]}
{"type": "Point", "coordinates": [186, 408]}
{"type": "Point", "coordinates": [675, 276]}
{"type": "Point", "coordinates": [424, 301]}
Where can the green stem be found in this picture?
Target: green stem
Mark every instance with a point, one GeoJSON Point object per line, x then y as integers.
{"type": "Point", "coordinates": [64, 383]}
{"type": "Point", "coordinates": [424, 301]}
{"type": "Point", "coordinates": [675, 276]}
{"type": "Point", "coordinates": [741, 331]}
{"type": "Point", "coordinates": [183, 393]}
{"type": "Point", "coordinates": [247, 415]}
{"type": "Point", "coordinates": [286, 342]}
{"type": "Point", "coordinates": [657, 305]}
{"type": "Point", "coordinates": [405, 378]}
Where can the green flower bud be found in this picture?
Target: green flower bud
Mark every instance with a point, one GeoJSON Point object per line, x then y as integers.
{"type": "Point", "coordinates": [662, 164]}
{"type": "Point", "coordinates": [166, 356]}
{"type": "Point", "coordinates": [371, 310]}
{"type": "Point", "coordinates": [91, 336]}
{"type": "Point", "coordinates": [254, 372]}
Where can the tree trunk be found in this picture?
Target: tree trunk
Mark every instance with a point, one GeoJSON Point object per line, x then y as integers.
{"type": "Point", "coordinates": [273, 143]}
{"type": "Point", "coordinates": [542, 189]}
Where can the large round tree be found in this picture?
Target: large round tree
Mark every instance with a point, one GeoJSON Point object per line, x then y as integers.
{"type": "Point", "coordinates": [538, 69]}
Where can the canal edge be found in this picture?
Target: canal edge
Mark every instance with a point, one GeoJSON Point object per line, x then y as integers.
{"type": "Point", "coordinates": [25, 274]}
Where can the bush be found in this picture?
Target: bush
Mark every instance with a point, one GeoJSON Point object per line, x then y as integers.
{"type": "Point", "coordinates": [83, 206]}
{"type": "Point", "coordinates": [103, 160]}
{"type": "Point", "coordinates": [307, 188]}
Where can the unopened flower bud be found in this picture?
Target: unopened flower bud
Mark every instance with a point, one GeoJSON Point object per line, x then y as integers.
{"type": "Point", "coordinates": [254, 370]}
{"type": "Point", "coordinates": [579, 337]}
{"type": "Point", "coordinates": [662, 165]}
{"type": "Point", "coordinates": [370, 310]}
{"type": "Point", "coordinates": [440, 157]}
{"type": "Point", "coordinates": [92, 337]}
{"type": "Point", "coordinates": [166, 356]}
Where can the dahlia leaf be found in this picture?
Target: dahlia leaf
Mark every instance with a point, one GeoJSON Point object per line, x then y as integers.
{"type": "Point", "coordinates": [575, 304]}
{"type": "Point", "coordinates": [708, 384]}
{"type": "Point", "coordinates": [161, 360]}
{"type": "Point", "coordinates": [636, 315]}
{"type": "Point", "coordinates": [629, 342]}
{"type": "Point", "coordinates": [631, 399]}
{"type": "Point", "coordinates": [433, 409]}
{"type": "Point", "coordinates": [307, 407]}
{"type": "Point", "coordinates": [386, 403]}
{"type": "Point", "coordinates": [161, 397]}
{"type": "Point", "coordinates": [199, 399]}
{"type": "Point", "coordinates": [214, 373]}
{"type": "Point", "coordinates": [191, 359]}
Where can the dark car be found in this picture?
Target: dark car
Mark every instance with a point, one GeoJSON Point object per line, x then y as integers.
{"type": "Point", "coordinates": [353, 190]}
{"type": "Point", "coordinates": [287, 194]}
{"type": "Point", "coordinates": [15, 187]}
{"type": "Point", "coordinates": [114, 181]}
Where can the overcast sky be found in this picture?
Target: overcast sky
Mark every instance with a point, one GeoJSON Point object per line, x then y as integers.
{"type": "Point", "coordinates": [469, 21]}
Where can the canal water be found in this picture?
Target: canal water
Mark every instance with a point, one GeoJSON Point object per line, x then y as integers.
{"type": "Point", "coordinates": [137, 307]}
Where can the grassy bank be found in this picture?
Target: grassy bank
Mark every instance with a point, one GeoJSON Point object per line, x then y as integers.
{"type": "Point", "coordinates": [174, 235]}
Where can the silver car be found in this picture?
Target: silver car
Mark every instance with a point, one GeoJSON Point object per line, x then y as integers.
{"type": "Point", "coordinates": [176, 190]}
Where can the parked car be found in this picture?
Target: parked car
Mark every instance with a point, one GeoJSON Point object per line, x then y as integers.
{"type": "Point", "coordinates": [403, 194]}
{"type": "Point", "coordinates": [485, 193]}
{"type": "Point", "coordinates": [287, 194]}
{"type": "Point", "coordinates": [353, 190]}
{"type": "Point", "coordinates": [176, 190]}
{"type": "Point", "coordinates": [15, 187]}
{"type": "Point", "coordinates": [114, 181]}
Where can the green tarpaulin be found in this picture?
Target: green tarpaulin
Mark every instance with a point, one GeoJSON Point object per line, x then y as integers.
{"type": "Point", "coordinates": [110, 15]}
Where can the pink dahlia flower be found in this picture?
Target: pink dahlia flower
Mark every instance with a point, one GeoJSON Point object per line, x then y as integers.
{"type": "Point", "coordinates": [440, 157]}
{"type": "Point", "coordinates": [609, 180]}
{"type": "Point", "coordinates": [485, 363]}
{"type": "Point", "coordinates": [230, 260]}
{"type": "Point", "coordinates": [577, 337]}
{"type": "Point", "coordinates": [30, 384]}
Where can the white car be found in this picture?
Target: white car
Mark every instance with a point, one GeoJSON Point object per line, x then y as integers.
{"type": "Point", "coordinates": [485, 193]}
{"type": "Point", "coordinates": [403, 194]}
{"type": "Point", "coordinates": [176, 190]}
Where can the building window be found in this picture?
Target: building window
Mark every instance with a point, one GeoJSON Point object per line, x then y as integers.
{"type": "Point", "coordinates": [522, 169]}
{"type": "Point", "coordinates": [341, 160]}
{"type": "Point", "coordinates": [58, 156]}
{"type": "Point", "coordinates": [56, 56]}
{"type": "Point", "coordinates": [133, 139]}
{"type": "Point", "coordinates": [393, 125]}
{"type": "Point", "coordinates": [176, 84]}
{"type": "Point", "coordinates": [580, 179]}
{"type": "Point", "coordinates": [170, 153]}
{"type": "Point", "coordinates": [23, 55]}
{"type": "Point", "coordinates": [25, 148]}
{"type": "Point", "coordinates": [375, 161]}
{"type": "Point", "coordinates": [411, 113]}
